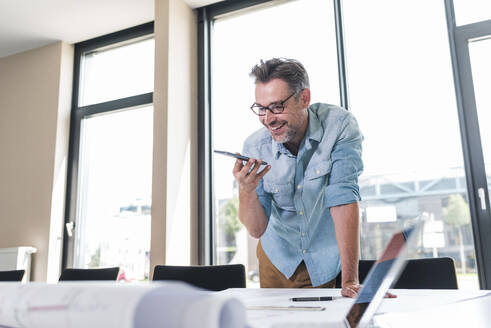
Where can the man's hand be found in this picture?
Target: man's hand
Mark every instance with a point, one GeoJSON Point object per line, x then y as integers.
{"type": "Point", "coordinates": [251, 212]}
{"type": "Point", "coordinates": [248, 179]}
{"type": "Point", "coordinates": [351, 289]}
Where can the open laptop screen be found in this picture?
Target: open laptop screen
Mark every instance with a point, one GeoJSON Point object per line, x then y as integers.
{"type": "Point", "coordinates": [387, 268]}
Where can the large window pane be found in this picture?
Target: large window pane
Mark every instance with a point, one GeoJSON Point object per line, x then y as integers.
{"type": "Point", "coordinates": [115, 183]}
{"type": "Point", "coordinates": [303, 30]}
{"type": "Point", "coordinates": [480, 52]}
{"type": "Point", "coordinates": [401, 89]}
{"type": "Point", "coordinates": [471, 11]}
{"type": "Point", "coordinates": [116, 72]}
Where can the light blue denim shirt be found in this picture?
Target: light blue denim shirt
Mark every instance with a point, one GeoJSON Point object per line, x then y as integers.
{"type": "Point", "coordinates": [299, 190]}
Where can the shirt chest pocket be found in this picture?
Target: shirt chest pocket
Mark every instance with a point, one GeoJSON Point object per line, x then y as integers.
{"type": "Point", "coordinates": [317, 175]}
{"type": "Point", "coordinates": [282, 194]}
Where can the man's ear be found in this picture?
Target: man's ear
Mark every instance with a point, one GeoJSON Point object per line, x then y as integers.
{"type": "Point", "coordinates": [305, 97]}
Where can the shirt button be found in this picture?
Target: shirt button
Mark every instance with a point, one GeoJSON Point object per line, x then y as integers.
{"type": "Point", "coordinates": [304, 251]}
{"type": "Point", "coordinates": [318, 172]}
{"type": "Point", "coordinates": [301, 212]}
{"type": "Point", "coordinates": [303, 234]}
{"type": "Point", "coordinates": [276, 190]}
{"type": "Point", "coordinates": [299, 187]}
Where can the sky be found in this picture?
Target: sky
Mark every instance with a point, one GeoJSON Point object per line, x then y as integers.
{"type": "Point", "coordinates": [399, 72]}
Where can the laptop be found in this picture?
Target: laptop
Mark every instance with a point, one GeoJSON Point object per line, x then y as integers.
{"type": "Point", "coordinates": [382, 275]}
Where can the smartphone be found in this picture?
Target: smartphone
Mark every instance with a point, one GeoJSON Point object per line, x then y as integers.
{"type": "Point", "coordinates": [244, 158]}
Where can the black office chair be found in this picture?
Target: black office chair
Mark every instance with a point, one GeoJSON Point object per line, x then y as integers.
{"type": "Point", "coordinates": [14, 275]}
{"type": "Point", "coordinates": [429, 273]}
{"type": "Point", "coordinates": [89, 274]}
{"type": "Point", "coordinates": [213, 277]}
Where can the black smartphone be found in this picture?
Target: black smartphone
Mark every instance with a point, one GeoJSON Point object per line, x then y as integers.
{"type": "Point", "coordinates": [244, 158]}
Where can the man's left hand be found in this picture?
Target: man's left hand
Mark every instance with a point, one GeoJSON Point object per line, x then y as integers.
{"type": "Point", "coordinates": [352, 290]}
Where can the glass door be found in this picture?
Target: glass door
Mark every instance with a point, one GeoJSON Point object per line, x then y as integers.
{"type": "Point", "coordinates": [413, 163]}
{"type": "Point", "coordinates": [233, 93]}
{"type": "Point", "coordinates": [471, 50]}
{"type": "Point", "coordinates": [480, 52]}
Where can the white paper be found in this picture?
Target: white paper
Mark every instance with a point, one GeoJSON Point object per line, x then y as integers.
{"type": "Point", "coordinates": [189, 308]}
{"type": "Point", "coordinates": [84, 304]}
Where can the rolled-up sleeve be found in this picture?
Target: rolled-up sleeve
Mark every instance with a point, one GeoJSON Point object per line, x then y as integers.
{"type": "Point", "coordinates": [347, 165]}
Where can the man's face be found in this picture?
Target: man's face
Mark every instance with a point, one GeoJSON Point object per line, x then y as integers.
{"type": "Point", "coordinates": [288, 126]}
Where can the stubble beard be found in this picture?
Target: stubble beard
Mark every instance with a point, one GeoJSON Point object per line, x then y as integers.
{"type": "Point", "coordinates": [289, 135]}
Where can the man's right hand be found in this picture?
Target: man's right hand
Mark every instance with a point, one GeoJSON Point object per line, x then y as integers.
{"type": "Point", "coordinates": [251, 212]}
{"type": "Point", "coordinates": [248, 179]}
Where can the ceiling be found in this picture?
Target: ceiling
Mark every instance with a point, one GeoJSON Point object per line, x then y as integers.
{"type": "Point", "coordinates": [29, 24]}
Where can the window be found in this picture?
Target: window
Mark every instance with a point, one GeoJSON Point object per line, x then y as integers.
{"type": "Point", "coordinates": [471, 11]}
{"type": "Point", "coordinates": [425, 153]}
{"type": "Point", "coordinates": [481, 74]}
{"type": "Point", "coordinates": [233, 93]}
{"type": "Point", "coordinates": [403, 98]}
{"type": "Point", "coordinates": [109, 199]}
{"type": "Point", "coordinates": [117, 71]}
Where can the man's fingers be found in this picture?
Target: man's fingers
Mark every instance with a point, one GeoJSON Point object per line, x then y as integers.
{"type": "Point", "coordinates": [238, 164]}
{"type": "Point", "coordinates": [349, 292]}
{"type": "Point", "coordinates": [390, 295]}
{"type": "Point", "coordinates": [237, 167]}
{"type": "Point", "coordinates": [247, 175]}
{"type": "Point", "coordinates": [257, 164]}
{"type": "Point", "coordinates": [247, 168]}
{"type": "Point", "coordinates": [263, 172]}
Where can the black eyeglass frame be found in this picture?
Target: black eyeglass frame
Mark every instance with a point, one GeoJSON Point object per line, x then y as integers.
{"type": "Point", "coordinates": [275, 108]}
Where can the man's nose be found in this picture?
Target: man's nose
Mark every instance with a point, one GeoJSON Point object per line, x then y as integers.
{"type": "Point", "coordinates": [269, 117]}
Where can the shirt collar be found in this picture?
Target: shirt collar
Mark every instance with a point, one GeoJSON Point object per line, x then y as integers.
{"type": "Point", "coordinates": [278, 149]}
{"type": "Point", "coordinates": [314, 129]}
{"type": "Point", "coordinates": [314, 132]}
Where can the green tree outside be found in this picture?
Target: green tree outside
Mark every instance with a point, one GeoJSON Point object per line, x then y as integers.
{"type": "Point", "coordinates": [229, 224]}
{"type": "Point", "coordinates": [95, 259]}
{"type": "Point", "coordinates": [457, 215]}
{"type": "Point", "coordinates": [229, 219]}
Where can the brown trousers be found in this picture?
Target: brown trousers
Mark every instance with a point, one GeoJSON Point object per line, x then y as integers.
{"type": "Point", "coordinates": [271, 277]}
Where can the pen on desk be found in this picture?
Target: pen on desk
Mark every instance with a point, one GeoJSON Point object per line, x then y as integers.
{"type": "Point", "coordinates": [313, 299]}
{"type": "Point", "coordinates": [286, 308]}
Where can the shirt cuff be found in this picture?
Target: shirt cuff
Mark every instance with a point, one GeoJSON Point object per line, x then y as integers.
{"type": "Point", "coordinates": [341, 194]}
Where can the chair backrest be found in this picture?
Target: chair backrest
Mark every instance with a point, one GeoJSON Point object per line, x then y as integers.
{"type": "Point", "coordinates": [212, 277]}
{"type": "Point", "coordinates": [14, 275]}
{"type": "Point", "coordinates": [429, 273]}
{"type": "Point", "coordinates": [89, 274]}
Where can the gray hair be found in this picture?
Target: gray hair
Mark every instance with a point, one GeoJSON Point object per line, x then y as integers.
{"type": "Point", "coordinates": [289, 70]}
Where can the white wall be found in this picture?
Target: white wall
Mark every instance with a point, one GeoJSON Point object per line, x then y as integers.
{"type": "Point", "coordinates": [174, 199]}
{"type": "Point", "coordinates": [35, 93]}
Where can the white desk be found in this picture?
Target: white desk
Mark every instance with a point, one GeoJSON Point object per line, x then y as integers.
{"type": "Point", "coordinates": [412, 308]}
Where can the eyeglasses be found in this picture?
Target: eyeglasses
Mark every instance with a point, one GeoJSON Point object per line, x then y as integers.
{"type": "Point", "coordinates": [275, 108]}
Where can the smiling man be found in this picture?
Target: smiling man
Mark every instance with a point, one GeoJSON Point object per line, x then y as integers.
{"type": "Point", "coordinates": [304, 204]}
